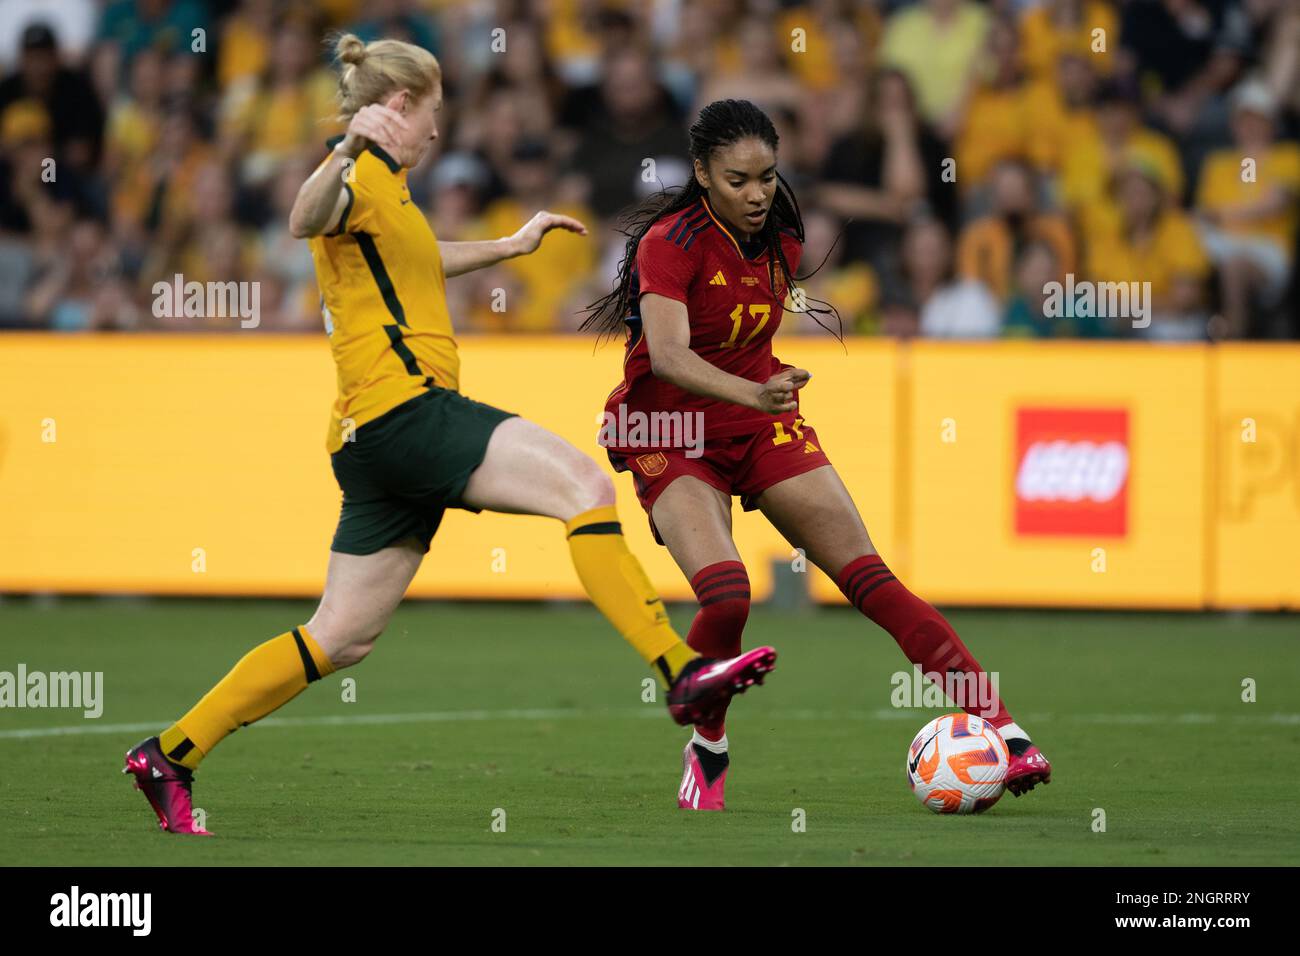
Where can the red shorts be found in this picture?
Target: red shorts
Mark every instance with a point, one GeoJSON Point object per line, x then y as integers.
{"type": "Point", "coordinates": [744, 465]}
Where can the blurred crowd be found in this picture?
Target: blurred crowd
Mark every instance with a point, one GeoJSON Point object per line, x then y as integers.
{"type": "Point", "coordinates": [954, 160]}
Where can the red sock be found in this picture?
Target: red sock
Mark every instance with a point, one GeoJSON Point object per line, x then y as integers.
{"type": "Point", "coordinates": [925, 637]}
{"type": "Point", "coordinates": [723, 592]}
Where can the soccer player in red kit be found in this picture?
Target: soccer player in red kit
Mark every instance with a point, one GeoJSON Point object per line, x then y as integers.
{"type": "Point", "coordinates": [701, 292]}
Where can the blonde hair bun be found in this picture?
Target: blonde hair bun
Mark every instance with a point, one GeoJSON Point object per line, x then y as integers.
{"type": "Point", "coordinates": [350, 49]}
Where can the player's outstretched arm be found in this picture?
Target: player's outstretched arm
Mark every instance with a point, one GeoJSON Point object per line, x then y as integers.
{"type": "Point", "coordinates": [461, 257]}
{"type": "Point", "coordinates": [667, 330]}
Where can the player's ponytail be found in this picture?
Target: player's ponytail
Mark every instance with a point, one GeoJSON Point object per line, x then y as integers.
{"type": "Point", "coordinates": [372, 71]}
{"type": "Point", "coordinates": [719, 124]}
{"type": "Point", "coordinates": [606, 314]}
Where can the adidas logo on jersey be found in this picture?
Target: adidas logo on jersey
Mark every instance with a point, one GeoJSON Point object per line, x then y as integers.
{"type": "Point", "coordinates": [718, 279]}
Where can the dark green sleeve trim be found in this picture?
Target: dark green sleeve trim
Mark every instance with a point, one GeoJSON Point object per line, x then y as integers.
{"type": "Point", "coordinates": [347, 210]}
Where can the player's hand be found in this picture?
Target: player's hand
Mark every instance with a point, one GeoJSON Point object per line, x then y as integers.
{"type": "Point", "coordinates": [528, 238]}
{"type": "Point", "coordinates": [777, 394]}
{"type": "Point", "coordinates": [374, 124]}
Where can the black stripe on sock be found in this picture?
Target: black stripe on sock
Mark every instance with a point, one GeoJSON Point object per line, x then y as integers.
{"type": "Point", "coordinates": [662, 664]}
{"type": "Point", "coordinates": [308, 664]}
{"type": "Point", "coordinates": [725, 596]}
{"type": "Point", "coordinates": [862, 596]}
{"type": "Point", "coordinates": [862, 576]}
{"type": "Point", "coordinates": [178, 752]}
{"type": "Point", "coordinates": [738, 580]}
{"type": "Point", "coordinates": [717, 574]}
{"type": "Point", "coordinates": [598, 527]}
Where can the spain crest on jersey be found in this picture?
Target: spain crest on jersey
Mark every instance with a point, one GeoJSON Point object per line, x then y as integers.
{"type": "Point", "coordinates": [778, 279]}
{"type": "Point", "coordinates": [652, 465]}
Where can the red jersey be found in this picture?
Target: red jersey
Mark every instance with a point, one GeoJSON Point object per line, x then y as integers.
{"type": "Point", "coordinates": [692, 257]}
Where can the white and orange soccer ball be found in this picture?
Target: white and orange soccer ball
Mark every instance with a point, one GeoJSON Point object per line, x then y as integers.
{"type": "Point", "coordinates": [958, 764]}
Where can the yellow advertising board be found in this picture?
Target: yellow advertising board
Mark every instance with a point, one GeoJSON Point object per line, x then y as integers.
{"type": "Point", "coordinates": [1072, 474]}
{"type": "Point", "coordinates": [1058, 474]}
{"type": "Point", "coordinates": [1255, 526]}
{"type": "Point", "coordinates": [196, 464]}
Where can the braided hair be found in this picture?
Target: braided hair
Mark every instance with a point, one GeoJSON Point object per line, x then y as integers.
{"type": "Point", "coordinates": [720, 124]}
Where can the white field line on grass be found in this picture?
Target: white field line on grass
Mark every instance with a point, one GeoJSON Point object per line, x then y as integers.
{"type": "Point", "coordinates": [462, 716]}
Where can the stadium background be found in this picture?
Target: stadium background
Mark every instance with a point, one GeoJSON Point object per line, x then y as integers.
{"type": "Point", "coordinates": [183, 456]}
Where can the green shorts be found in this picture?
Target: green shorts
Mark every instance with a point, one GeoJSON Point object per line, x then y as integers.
{"type": "Point", "coordinates": [403, 470]}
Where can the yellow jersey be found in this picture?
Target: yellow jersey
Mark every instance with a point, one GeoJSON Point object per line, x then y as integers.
{"type": "Point", "coordinates": [1223, 188]}
{"type": "Point", "coordinates": [383, 298]}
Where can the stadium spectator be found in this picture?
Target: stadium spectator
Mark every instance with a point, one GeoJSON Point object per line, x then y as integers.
{"type": "Point", "coordinates": [847, 283]}
{"type": "Point", "coordinates": [986, 249]}
{"type": "Point", "coordinates": [1029, 311]}
{"type": "Point", "coordinates": [1183, 59]}
{"type": "Point", "coordinates": [397, 20]}
{"type": "Point", "coordinates": [1151, 240]}
{"type": "Point", "coordinates": [289, 109]}
{"type": "Point", "coordinates": [950, 307]}
{"type": "Point", "coordinates": [546, 279]}
{"type": "Point", "coordinates": [1060, 114]}
{"type": "Point", "coordinates": [936, 43]}
{"type": "Point", "coordinates": [996, 120]}
{"type": "Point", "coordinates": [73, 23]}
{"type": "Point", "coordinates": [80, 288]}
{"type": "Point", "coordinates": [1005, 129]}
{"type": "Point", "coordinates": [289, 297]}
{"type": "Point", "coordinates": [169, 26]}
{"type": "Point", "coordinates": [1103, 147]}
{"type": "Point", "coordinates": [752, 66]}
{"type": "Point", "coordinates": [1080, 29]}
{"type": "Point", "coordinates": [876, 177]}
{"type": "Point", "coordinates": [1247, 206]}
{"type": "Point", "coordinates": [245, 47]}
{"type": "Point", "coordinates": [456, 186]}
{"type": "Point", "coordinates": [632, 119]}
{"type": "Point", "coordinates": [77, 118]}
{"type": "Point", "coordinates": [899, 317]}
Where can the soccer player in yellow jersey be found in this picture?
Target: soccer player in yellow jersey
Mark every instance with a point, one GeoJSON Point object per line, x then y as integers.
{"type": "Point", "coordinates": [405, 445]}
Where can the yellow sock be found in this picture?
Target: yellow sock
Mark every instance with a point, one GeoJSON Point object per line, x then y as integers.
{"type": "Point", "coordinates": [619, 588]}
{"type": "Point", "coordinates": [267, 677]}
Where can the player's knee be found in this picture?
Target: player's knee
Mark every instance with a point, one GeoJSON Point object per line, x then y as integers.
{"type": "Point", "coordinates": [345, 642]}
{"type": "Point", "coordinates": [354, 653]}
{"type": "Point", "coordinates": [356, 645]}
{"type": "Point", "coordinates": [589, 487]}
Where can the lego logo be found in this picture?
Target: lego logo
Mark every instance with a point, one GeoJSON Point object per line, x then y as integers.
{"type": "Point", "coordinates": [1072, 471]}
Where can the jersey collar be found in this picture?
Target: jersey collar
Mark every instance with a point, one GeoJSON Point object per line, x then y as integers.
{"type": "Point", "coordinates": [392, 164]}
{"type": "Point", "coordinates": [740, 251]}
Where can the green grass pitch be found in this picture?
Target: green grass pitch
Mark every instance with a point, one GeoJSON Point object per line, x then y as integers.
{"type": "Point", "coordinates": [464, 710]}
